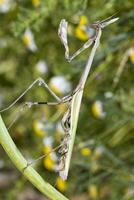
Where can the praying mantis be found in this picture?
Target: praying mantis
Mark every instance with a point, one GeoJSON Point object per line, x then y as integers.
{"type": "Point", "coordinates": [70, 118]}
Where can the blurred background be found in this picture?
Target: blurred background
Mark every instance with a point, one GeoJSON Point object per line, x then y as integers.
{"type": "Point", "coordinates": [103, 156]}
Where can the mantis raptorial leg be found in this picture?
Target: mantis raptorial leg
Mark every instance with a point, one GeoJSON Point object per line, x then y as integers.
{"type": "Point", "coordinates": [62, 32]}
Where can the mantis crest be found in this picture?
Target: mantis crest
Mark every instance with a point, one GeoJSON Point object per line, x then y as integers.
{"type": "Point", "coordinates": [70, 119]}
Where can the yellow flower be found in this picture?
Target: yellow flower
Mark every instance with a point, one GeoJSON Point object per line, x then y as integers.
{"type": "Point", "coordinates": [80, 32]}
{"type": "Point", "coordinates": [86, 151]}
{"type": "Point", "coordinates": [132, 55]}
{"type": "Point", "coordinates": [28, 40]}
{"type": "Point", "coordinates": [49, 163]}
{"type": "Point", "coordinates": [38, 128]}
{"type": "Point", "coordinates": [61, 185]}
{"type": "Point", "coordinates": [93, 191]}
{"type": "Point", "coordinates": [60, 85]}
{"type": "Point", "coordinates": [97, 109]}
{"type": "Point", "coordinates": [35, 3]}
{"type": "Point", "coordinates": [83, 20]}
{"type": "Point", "coordinates": [54, 88]}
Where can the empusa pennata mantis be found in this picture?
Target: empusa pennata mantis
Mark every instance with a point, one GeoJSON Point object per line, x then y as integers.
{"type": "Point", "coordinates": [70, 118]}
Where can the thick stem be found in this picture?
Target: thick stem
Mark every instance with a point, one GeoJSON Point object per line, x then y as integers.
{"type": "Point", "coordinates": [20, 162]}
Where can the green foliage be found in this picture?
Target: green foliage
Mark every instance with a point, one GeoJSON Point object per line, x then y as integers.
{"type": "Point", "coordinates": [111, 171]}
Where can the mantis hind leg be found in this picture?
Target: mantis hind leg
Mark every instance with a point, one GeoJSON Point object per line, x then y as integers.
{"type": "Point", "coordinates": [40, 82]}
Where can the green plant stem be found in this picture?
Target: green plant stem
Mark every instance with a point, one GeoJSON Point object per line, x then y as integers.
{"type": "Point", "coordinates": [20, 162]}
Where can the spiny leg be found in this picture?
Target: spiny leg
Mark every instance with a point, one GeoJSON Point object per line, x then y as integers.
{"type": "Point", "coordinates": [40, 82]}
{"type": "Point", "coordinates": [41, 157]}
{"type": "Point", "coordinates": [29, 105]}
{"type": "Point", "coordinates": [62, 32]}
